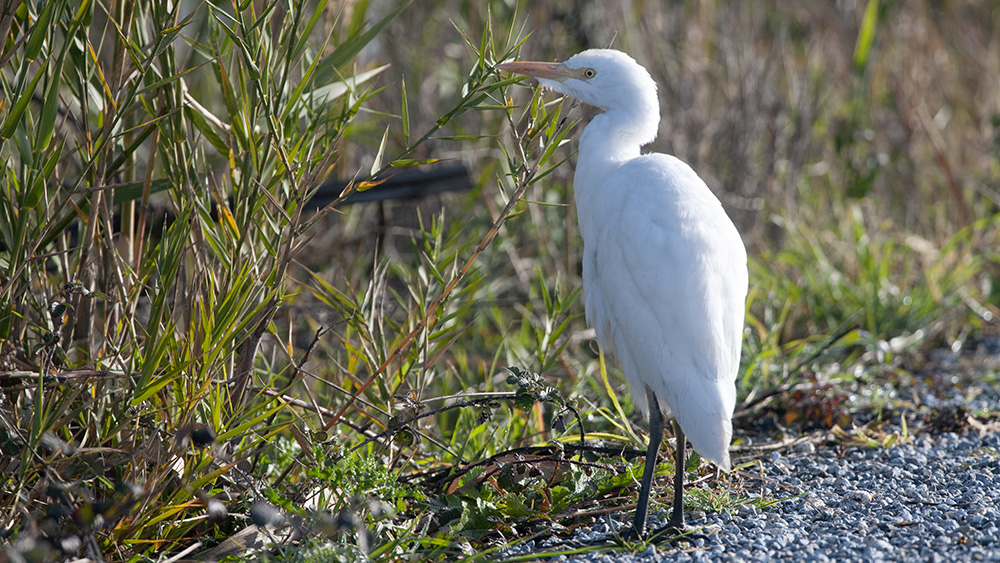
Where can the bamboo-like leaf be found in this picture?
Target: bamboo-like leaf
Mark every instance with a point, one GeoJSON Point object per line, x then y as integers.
{"type": "Point", "coordinates": [173, 77]}
{"type": "Point", "coordinates": [250, 423]}
{"type": "Point", "coordinates": [252, 67]}
{"type": "Point", "coordinates": [146, 129]}
{"type": "Point", "coordinates": [229, 96]}
{"type": "Point", "coordinates": [484, 43]}
{"type": "Point", "coordinates": [202, 126]}
{"type": "Point", "coordinates": [218, 14]}
{"type": "Point", "coordinates": [33, 195]}
{"type": "Point", "coordinates": [347, 50]}
{"type": "Point", "coordinates": [40, 30]}
{"type": "Point", "coordinates": [366, 185]}
{"type": "Point", "coordinates": [50, 107]}
{"type": "Point", "coordinates": [327, 94]}
{"type": "Point", "coordinates": [84, 14]}
{"type": "Point", "coordinates": [318, 12]}
{"type": "Point", "coordinates": [100, 76]}
{"type": "Point", "coordinates": [404, 162]}
{"type": "Point", "coordinates": [377, 164]}
{"type": "Point", "coordinates": [227, 217]}
{"type": "Point", "coordinates": [866, 36]}
{"type": "Point", "coordinates": [17, 110]}
{"type": "Point", "coordinates": [262, 18]}
{"type": "Point", "coordinates": [132, 191]}
{"type": "Point", "coordinates": [241, 46]}
{"type": "Point", "coordinates": [134, 51]}
{"type": "Point", "coordinates": [157, 383]}
{"type": "Point", "coordinates": [405, 111]}
{"type": "Point", "coordinates": [358, 12]}
{"type": "Point", "coordinates": [149, 382]}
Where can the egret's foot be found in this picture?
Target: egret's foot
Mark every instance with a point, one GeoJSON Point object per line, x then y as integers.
{"type": "Point", "coordinates": [629, 535]}
{"type": "Point", "coordinates": [673, 533]}
{"type": "Point", "coordinates": [669, 533]}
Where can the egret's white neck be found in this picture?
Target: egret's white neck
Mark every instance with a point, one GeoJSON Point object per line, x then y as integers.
{"type": "Point", "coordinates": [617, 135]}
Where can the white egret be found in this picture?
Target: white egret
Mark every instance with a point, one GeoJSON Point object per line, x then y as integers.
{"type": "Point", "coordinates": [664, 268]}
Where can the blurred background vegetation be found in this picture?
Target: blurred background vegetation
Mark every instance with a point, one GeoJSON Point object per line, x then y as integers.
{"type": "Point", "coordinates": [188, 349]}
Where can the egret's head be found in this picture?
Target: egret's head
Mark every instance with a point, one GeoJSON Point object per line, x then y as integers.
{"type": "Point", "coordinates": [606, 78]}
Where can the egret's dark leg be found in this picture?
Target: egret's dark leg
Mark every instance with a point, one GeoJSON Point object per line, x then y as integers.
{"type": "Point", "coordinates": [655, 438]}
{"type": "Point", "coordinates": [677, 518]}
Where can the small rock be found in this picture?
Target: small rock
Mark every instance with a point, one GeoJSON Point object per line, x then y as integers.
{"type": "Point", "coordinates": [859, 496]}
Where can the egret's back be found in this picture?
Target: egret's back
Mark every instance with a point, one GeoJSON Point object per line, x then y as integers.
{"type": "Point", "coordinates": [665, 282]}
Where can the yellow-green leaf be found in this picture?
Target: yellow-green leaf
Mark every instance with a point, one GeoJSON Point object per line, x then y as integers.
{"type": "Point", "coordinates": [47, 120]}
{"type": "Point", "coordinates": [17, 110]}
{"type": "Point", "coordinates": [39, 31]}
{"type": "Point", "coordinates": [406, 162]}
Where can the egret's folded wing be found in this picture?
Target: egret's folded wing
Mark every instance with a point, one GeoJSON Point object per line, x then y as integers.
{"type": "Point", "coordinates": [671, 280]}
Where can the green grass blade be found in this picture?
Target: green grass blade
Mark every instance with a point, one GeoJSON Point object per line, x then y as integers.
{"type": "Point", "coordinates": [337, 61]}
{"type": "Point", "coordinates": [13, 118]}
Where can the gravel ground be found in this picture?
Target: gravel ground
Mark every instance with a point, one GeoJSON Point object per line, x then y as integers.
{"type": "Point", "coordinates": [935, 499]}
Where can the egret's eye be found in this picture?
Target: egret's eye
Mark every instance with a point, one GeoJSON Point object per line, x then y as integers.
{"type": "Point", "coordinates": [589, 73]}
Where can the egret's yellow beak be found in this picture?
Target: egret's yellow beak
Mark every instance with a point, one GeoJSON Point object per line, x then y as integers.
{"type": "Point", "coordinates": [551, 71]}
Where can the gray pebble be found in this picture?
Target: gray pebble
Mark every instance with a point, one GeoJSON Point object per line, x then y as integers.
{"type": "Point", "coordinates": [937, 499]}
{"type": "Point", "coordinates": [859, 496]}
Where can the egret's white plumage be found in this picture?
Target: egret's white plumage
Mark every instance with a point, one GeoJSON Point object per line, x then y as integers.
{"type": "Point", "coordinates": [665, 270]}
